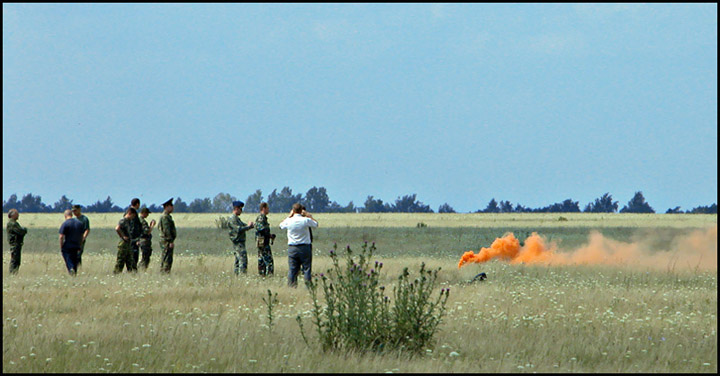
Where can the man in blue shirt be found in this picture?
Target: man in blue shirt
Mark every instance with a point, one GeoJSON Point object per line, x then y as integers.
{"type": "Point", "coordinates": [71, 238]}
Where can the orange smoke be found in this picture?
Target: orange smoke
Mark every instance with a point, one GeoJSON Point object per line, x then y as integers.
{"type": "Point", "coordinates": [508, 248]}
{"type": "Point", "coordinates": [696, 250]}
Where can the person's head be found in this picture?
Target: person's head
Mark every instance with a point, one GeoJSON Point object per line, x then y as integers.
{"type": "Point", "coordinates": [168, 206]}
{"type": "Point", "coordinates": [130, 212]}
{"type": "Point", "coordinates": [297, 208]}
{"type": "Point", "coordinates": [264, 208]}
{"type": "Point", "coordinates": [77, 210]}
{"type": "Point", "coordinates": [68, 214]}
{"type": "Point", "coordinates": [13, 214]}
{"type": "Point", "coordinates": [144, 212]}
{"type": "Point", "coordinates": [238, 207]}
{"type": "Point", "coordinates": [135, 203]}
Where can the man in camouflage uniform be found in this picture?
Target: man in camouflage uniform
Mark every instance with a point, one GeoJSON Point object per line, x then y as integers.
{"type": "Point", "coordinates": [146, 238]}
{"type": "Point", "coordinates": [263, 238]}
{"type": "Point", "coordinates": [124, 255]}
{"type": "Point", "coordinates": [237, 237]}
{"type": "Point", "coordinates": [135, 231]}
{"type": "Point", "coordinates": [15, 236]}
{"type": "Point", "coordinates": [168, 234]}
{"type": "Point", "coordinates": [77, 211]}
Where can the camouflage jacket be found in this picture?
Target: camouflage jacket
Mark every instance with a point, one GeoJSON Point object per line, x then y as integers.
{"type": "Point", "coordinates": [237, 229]}
{"type": "Point", "coordinates": [15, 233]}
{"type": "Point", "coordinates": [262, 226]}
{"type": "Point", "coordinates": [125, 228]}
{"type": "Point", "coordinates": [167, 228]}
{"type": "Point", "coordinates": [145, 234]}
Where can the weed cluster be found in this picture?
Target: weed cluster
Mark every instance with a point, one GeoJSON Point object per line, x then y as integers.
{"type": "Point", "coordinates": [222, 223]}
{"type": "Point", "coordinates": [359, 316]}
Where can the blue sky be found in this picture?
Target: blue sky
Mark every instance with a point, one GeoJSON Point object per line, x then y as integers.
{"type": "Point", "coordinates": [458, 103]}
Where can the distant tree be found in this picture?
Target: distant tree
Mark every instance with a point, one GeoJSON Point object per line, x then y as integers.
{"type": "Point", "coordinates": [33, 204]}
{"type": "Point", "coordinates": [506, 207]}
{"type": "Point", "coordinates": [179, 206]}
{"type": "Point", "coordinates": [409, 204]}
{"type": "Point", "coordinates": [675, 210]}
{"type": "Point", "coordinates": [521, 209]}
{"type": "Point", "coordinates": [375, 206]}
{"type": "Point", "coordinates": [282, 202]}
{"type": "Point", "coordinates": [62, 204]}
{"type": "Point", "coordinates": [159, 209]}
{"type": "Point", "coordinates": [567, 206]}
{"type": "Point", "coordinates": [337, 208]}
{"type": "Point", "coordinates": [637, 205]}
{"type": "Point", "coordinates": [712, 209]}
{"type": "Point", "coordinates": [445, 208]}
{"type": "Point", "coordinates": [316, 200]}
{"type": "Point", "coordinates": [604, 204]}
{"type": "Point", "coordinates": [200, 205]}
{"type": "Point", "coordinates": [106, 206]}
{"type": "Point", "coordinates": [492, 207]}
{"type": "Point", "coordinates": [222, 203]}
{"type": "Point", "coordinates": [11, 203]}
{"type": "Point", "coordinates": [252, 202]}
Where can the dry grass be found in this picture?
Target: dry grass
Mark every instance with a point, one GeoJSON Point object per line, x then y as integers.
{"type": "Point", "coordinates": [202, 318]}
{"type": "Point", "coordinates": [478, 220]}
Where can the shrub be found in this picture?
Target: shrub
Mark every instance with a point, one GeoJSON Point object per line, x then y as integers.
{"type": "Point", "coordinates": [222, 223]}
{"type": "Point", "coordinates": [359, 316]}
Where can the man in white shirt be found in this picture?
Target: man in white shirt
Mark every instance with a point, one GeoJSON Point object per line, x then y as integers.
{"type": "Point", "coordinates": [298, 225]}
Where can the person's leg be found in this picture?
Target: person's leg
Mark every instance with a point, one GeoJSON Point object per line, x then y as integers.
{"type": "Point", "coordinates": [166, 259]}
{"type": "Point", "coordinates": [262, 267]}
{"type": "Point", "coordinates": [120, 260]}
{"type": "Point", "coordinates": [70, 261]}
{"type": "Point", "coordinates": [293, 265]}
{"type": "Point", "coordinates": [269, 262]}
{"type": "Point", "coordinates": [146, 253]}
{"type": "Point", "coordinates": [15, 258]}
{"type": "Point", "coordinates": [135, 252]}
{"type": "Point", "coordinates": [79, 257]}
{"type": "Point", "coordinates": [307, 262]}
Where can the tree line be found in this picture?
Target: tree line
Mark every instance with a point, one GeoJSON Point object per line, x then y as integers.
{"type": "Point", "coordinates": [316, 200]}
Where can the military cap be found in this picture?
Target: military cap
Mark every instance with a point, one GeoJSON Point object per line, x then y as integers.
{"type": "Point", "coordinates": [237, 204]}
{"type": "Point", "coordinates": [168, 202]}
{"type": "Point", "coordinates": [76, 207]}
{"type": "Point", "coordinates": [144, 210]}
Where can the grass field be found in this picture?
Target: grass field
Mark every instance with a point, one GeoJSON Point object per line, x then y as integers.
{"type": "Point", "coordinates": [523, 318]}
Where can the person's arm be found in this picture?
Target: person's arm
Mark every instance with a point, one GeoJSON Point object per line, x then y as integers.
{"type": "Point", "coordinates": [312, 222]}
{"type": "Point", "coordinates": [62, 240]}
{"type": "Point", "coordinates": [248, 227]}
{"type": "Point", "coordinates": [283, 224]}
{"type": "Point", "coordinates": [152, 225]}
{"type": "Point", "coordinates": [122, 236]}
{"type": "Point", "coordinates": [85, 234]}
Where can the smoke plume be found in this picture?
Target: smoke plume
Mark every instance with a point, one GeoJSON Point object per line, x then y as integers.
{"type": "Point", "coordinates": [695, 250]}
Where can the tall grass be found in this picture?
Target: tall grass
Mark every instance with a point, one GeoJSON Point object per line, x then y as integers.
{"type": "Point", "coordinates": [202, 318]}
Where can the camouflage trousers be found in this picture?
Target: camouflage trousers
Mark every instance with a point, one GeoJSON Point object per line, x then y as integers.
{"type": "Point", "coordinates": [146, 249]}
{"type": "Point", "coordinates": [15, 258]}
{"type": "Point", "coordinates": [266, 265]}
{"type": "Point", "coordinates": [241, 259]}
{"type": "Point", "coordinates": [167, 257]}
{"type": "Point", "coordinates": [124, 258]}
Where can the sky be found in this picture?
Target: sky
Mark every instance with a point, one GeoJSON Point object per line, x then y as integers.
{"type": "Point", "coordinates": [457, 103]}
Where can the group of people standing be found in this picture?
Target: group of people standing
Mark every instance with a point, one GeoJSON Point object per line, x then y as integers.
{"type": "Point", "coordinates": [298, 225]}
{"type": "Point", "coordinates": [136, 234]}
